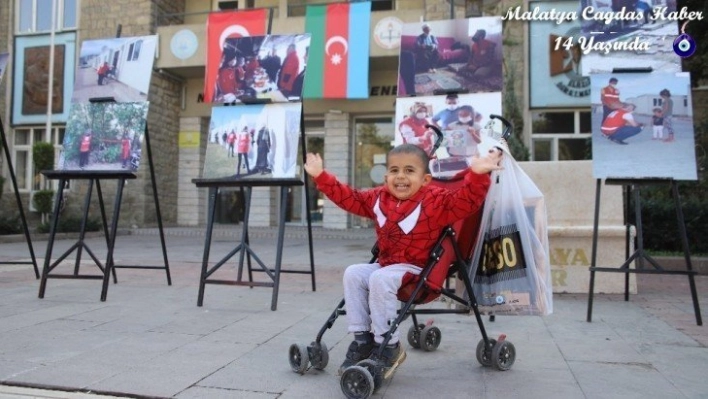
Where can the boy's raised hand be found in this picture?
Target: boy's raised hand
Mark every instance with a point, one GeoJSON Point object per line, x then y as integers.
{"type": "Point", "coordinates": [487, 163]}
{"type": "Point", "coordinates": [313, 165]}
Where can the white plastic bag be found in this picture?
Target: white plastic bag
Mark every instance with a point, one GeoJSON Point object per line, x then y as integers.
{"type": "Point", "coordinates": [510, 269]}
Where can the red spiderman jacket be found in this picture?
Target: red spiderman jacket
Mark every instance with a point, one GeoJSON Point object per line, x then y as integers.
{"type": "Point", "coordinates": [407, 229]}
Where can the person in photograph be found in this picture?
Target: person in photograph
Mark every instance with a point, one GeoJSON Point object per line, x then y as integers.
{"type": "Point", "coordinates": [263, 142]}
{"type": "Point", "coordinates": [300, 79]}
{"type": "Point", "coordinates": [413, 128]}
{"type": "Point", "coordinates": [272, 64]}
{"type": "Point", "coordinates": [657, 124]}
{"type": "Point", "coordinates": [231, 139]}
{"type": "Point", "coordinates": [426, 46]}
{"type": "Point", "coordinates": [229, 80]}
{"type": "Point", "coordinates": [466, 122]}
{"type": "Point", "coordinates": [482, 59]}
{"type": "Point", "coordinates": [449, 114]}
{"type": "Point", "coordinates": [620, 124]}
{"type": "Point", "coordinates": [224, 140]}
{"type": "Point", "coordinates": [289, 71]}
{"type": "Point", "coordinates": [667, 111]}
{"type": "Point", "coordinates": [610, 98]}
{"type": "Point", "coordinates": [243, 147]}
{"type": "Point", "coordinates": [125, 151]}
{"type": "Point", "coordinates": [250, 66]}
{"type": "Point", "coordinates": [103, 72]}
{"type": "Point", "coordinates": [84, 149]}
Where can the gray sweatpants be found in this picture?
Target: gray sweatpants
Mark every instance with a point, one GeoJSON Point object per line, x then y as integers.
{"type": "Point", "coordinates": [370, 297]}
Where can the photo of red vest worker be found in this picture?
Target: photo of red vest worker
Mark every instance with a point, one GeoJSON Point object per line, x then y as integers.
{"type": "Point", "coordinates": [620, 124]}
{"type": "Point", "coordinates": [84, 149]}
{"type": "Point", "coordinates": [610, 98]}
{"type": "Point", "coordinates": [243, 147]}
{"type": "Point", "coordinates": [413, 128]}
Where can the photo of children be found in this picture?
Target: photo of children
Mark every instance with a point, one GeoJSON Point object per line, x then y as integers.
{"type": "Point", "coordinates": [442, 56]}
{"type": "Point", "coordinates": [104, 136]}
{"type": "Point", "coordinates": [119, 67]}
{"type": "Point", "coordinates": [463, 120]}
{"type": "Point", "coordinates": [264, 140]}
{"type": "Point", "coordinates": [261, 67]}
{"type": "Point", "coordinates": [650, 135]}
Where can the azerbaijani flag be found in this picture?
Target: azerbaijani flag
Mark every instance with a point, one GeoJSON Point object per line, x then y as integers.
{"type": "Point", "coordinates": [338, 59]}
{"type": "Point", "coordinates": [227, 25]}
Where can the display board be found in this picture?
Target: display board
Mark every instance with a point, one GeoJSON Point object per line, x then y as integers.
{"type": "Point", "coordinates": [257, 141]}
{"type": "Point", "coordinates": [462, 119]}
{"type": "Point", "coordinates": [642, 126]}
{"type": "Point", "coordinates": [451, 55]}
{"type": "Point", "coordinates": [120, 68]}
{"type": "Point", "coordinates": [104, 136]}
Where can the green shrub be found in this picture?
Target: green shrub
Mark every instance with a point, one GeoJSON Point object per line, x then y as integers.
{"type": "Point", "coordinates": [71, 224]}
{"type": "Point", "coordinates": [10, 225]}
{"type": "Point", "coordinates": [42, 200]}
{"type": "Point", "coordinates": [43, 156]}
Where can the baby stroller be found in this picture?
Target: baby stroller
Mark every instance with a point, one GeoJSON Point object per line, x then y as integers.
{"type": "Point", "coordinates": [448, 257]}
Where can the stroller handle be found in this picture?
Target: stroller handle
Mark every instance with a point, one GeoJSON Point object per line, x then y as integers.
{"type": "Point", "coordinates": [507, 125]}
{"type": "Point", "coordinates": [438, 140]}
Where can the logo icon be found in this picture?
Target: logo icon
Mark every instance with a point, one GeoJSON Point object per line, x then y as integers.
{"type": "Point", "coordinates": [684, 45]}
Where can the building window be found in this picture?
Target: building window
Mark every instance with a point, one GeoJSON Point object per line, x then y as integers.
{"type": "Point", "coordinates": [561, 135]}
{"type": "Point", "coordinates": [134, 50]}
{"type": "Point", "coordinates": [29, 179]}
{"type": "Point", "coordinates": [36, 15]}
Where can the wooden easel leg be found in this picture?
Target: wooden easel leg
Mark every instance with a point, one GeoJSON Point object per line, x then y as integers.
{"type": "Point", "coordinates": [52, 233]}
{"type": "Point", "coordinates": [279, 248]}
{"type": "Point", "coordinates": [213, 193]}
{"type": "Point", "coordinates": [593, 256]}
{"type": "Point", "coordinates": [112, 239]}
{"type": "Point", "coordinates": [686, 251]}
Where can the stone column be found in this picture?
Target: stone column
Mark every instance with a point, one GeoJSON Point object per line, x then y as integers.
{"type": "Point", "coordinates": [337, 153]}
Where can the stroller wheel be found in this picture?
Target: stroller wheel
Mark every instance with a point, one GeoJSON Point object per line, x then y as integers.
{"type": "Point", "coordinates": [430, 338]}
{"type": "Point", "coordinates": [320, 355]}
{"type": "Point", "coordinates": [357, 383]}
{"type": "Point", "coordinates": [503, 355]}
{"type": "Point", "coordinates": [414, 335]}
{"type": "Point", "coordinates": [298, 357]}
{"type": "Point", "coordinates": [375, 370]}
{"type": "Point", "coordinates": [484, 353]}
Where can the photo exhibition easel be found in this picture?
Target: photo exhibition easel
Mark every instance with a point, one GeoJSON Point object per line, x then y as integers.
{"type": "Point", "coordinates": [243, 248]}
{"type": "Point", "coordinates": [631, 190]}
{"type": "Point", "coordinates": [20, 208]}
{"type": "Point", "coordinates": [95, 177]}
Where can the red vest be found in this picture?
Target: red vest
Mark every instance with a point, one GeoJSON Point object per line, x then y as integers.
{"type": "Point", "coordinates": [614, 121]}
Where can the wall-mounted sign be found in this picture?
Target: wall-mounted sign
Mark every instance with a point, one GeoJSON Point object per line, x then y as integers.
{"type": "Point", "coordinates": [387, 33]}
{"type": "Point", "coordinates": [184, 44]}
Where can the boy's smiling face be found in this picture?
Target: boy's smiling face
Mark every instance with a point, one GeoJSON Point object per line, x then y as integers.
{"type": "Point", "coordinates": [405, 175]}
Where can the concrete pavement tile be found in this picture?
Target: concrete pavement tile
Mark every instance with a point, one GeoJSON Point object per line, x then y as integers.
{"type": "Point", "coordinates": [599, 350]}
{"type": "Point", "coordinates": [11, 368]}
{"type": "Point", "coordinates": [199, 392]}
{"type": "Point", "coordinates": [620, 380]}
{"type": "Point", "coordinates": [72, 373]}
{"type": "Point", "coordinates": [538, 383]}
{"type": "Point", "coordinates": [50, 312]}
{"type": "Point", "coordinates": [684, 367]}
{"type": "Point", "coordinates": [48, 348]}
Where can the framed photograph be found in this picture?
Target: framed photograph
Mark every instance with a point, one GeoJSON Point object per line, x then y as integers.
{"type": "Point", "coordinates": [623, 35]}
{"type": "Point", "coordinates": [120, 68]}
{"type": "Point", "coordinates": [464, 121]}
{"type": "Point", "coordinates": [259, 141]}
{"type": "Point", "coordinates": [463, 55]}
{"type": "Point", "coordinates": [104, 136]}
{"type": "Point", "coordinates": [642, 126]}
{"type": "Point", "coordinates": [257, 68]}
{"type": "Point", "coordinates": [30, 97]}
{"type": "Point", "coordinates": [3, 64]}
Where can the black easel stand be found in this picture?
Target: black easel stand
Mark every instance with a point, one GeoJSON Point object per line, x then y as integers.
{"type": "Point", "coordinates": [80, 245]}
{"type": "Point", "coordinates": [109, 231]}
{"type": "Point", "coordinates": [243, 248]}
{"type": "Point", "coordinates": [20, 208]}
{"type": "Point", "coordinates": [631, 187]}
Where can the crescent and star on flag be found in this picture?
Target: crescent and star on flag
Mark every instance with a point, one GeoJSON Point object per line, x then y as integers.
{"type": "Point", "coordinates": [233, 31]}
{"type": "Point", "coordinates": [336, 58]}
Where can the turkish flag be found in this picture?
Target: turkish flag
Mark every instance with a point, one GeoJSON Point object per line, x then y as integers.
{"type": "Point", "coordinates": [225, 25]}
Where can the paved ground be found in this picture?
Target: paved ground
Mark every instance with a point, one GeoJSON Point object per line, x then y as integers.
{"type": "Point", "coordinates": [151, 340]}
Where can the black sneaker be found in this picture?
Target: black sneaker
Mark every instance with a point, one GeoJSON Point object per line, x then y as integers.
{"type": "Point", "coordinates": [358, 351]}
{"type": "Point", "coordinates": [393, 355]}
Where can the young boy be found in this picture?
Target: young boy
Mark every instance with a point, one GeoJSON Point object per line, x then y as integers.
{"type": "Point", "coordinates": [657, 123]}
{"type": "Point", "coordinates": [409, 216]}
